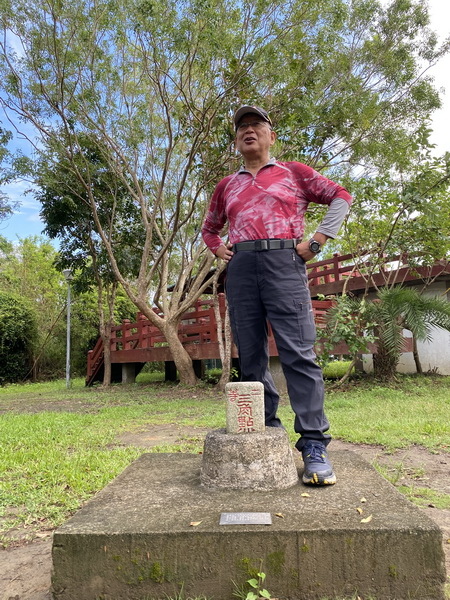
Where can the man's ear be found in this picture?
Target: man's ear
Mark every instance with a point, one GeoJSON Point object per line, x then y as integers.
{"type": "Point", "coordinates": [273, 137]}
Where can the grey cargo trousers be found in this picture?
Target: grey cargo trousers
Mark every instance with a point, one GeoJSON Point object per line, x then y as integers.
{"type": "Point", "coordinates": [272, 286]}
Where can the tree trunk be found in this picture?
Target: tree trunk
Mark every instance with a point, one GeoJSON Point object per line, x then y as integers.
{"type": "Point", "coordinates": [384, 363]}
{"type": "Point", "coordinates": [225, 341]}
{"type": "Point", "coordinates": [106, 338]}
{"type": "Point", "coordinates": [416, 357]}
{"type": "Point", "coordinates": [180, 356]}
{"type": "Point", "coordinates": [226, 361]}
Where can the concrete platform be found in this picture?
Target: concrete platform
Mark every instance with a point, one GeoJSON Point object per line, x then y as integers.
{"type": "Point", "coordinates": [135, 541]}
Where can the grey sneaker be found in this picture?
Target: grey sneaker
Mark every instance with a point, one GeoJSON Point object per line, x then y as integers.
{"type": "Point", "coordinates": [318, 469]}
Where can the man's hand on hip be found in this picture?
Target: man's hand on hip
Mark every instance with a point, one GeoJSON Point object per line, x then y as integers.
{"type": "Point", "coordinates": [304, 252]}
{"type": "Point", "coordinates": [224, 252]}
{"type": "Point", "coordinates": [303, 248]}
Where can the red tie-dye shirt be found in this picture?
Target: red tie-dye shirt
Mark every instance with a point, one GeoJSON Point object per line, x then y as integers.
{"type": "Point", "coordinates": [271, 204]}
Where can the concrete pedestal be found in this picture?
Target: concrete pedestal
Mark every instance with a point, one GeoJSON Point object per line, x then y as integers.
{"type": "Point", "coordinates": [257, 461]}
{"type": "Point", "coordinates": [136, 539]}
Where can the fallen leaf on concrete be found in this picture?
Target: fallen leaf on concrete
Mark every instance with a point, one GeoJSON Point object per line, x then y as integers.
{"type": "Point", "coordinates": [363, 500]}
{"type": "Point", "coordinates": [367, 519]}
{"type": "Point", "coordinates": [280, 515]}
{"type": "Point", "coordinates": [194, 523]}
{"type": "Point", "coordinates": [306, 495]}
{"type": "Point", "coordinates": [360, 510]}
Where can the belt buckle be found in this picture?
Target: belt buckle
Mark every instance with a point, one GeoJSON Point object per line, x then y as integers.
{"type": "Point", "coordinates": [261, 245]}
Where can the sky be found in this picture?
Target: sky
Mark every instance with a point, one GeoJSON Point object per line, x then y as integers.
{"type": "Point", "coordinates": [26, 221]}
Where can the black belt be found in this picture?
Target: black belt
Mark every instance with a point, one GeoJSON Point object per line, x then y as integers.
{"type": "Point", "coordinates": [261, 245]}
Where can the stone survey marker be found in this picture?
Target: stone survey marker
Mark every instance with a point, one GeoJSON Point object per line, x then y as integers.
{"type": "Point", "coordinates": [247, 455]}
{"type": "Point", "coordinates": [245, 407]}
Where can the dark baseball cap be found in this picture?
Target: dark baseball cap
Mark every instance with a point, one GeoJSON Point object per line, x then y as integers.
{"type": "Point", "coordinates": [245, 110]}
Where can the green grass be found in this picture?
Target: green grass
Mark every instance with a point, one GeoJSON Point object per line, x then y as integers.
{"type": "Point", "coordinates": [54, 459]}
{"type": "Point", "coordinates": [155, 377]}
{"type": "Point", "coordinates": [59, 446]}
{"type": "Point", "coordinates": [26, 389]}
{"type": "Point", "coordinates": [414, 411]}
{"type": "Point", "coordinates": [336, 369]}
{"type": "Point", "coordinates": [426, 497]}
{"type": "Point", "coordinates": [50, 462]}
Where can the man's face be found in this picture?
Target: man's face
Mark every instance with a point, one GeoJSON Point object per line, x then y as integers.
{"type": "Point", "coordinates": [253, 135]}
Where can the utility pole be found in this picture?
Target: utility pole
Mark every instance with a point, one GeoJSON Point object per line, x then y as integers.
{"type": "Point", "coordinates": [68, 275]}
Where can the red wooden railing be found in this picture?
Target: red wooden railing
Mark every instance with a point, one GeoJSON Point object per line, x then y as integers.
{"type": "Point", "coordinates": [329, 276]}
{"type": "Point", "coordinates": [141, 341]}
{"type": "Point", "coordinates": [331, 270]}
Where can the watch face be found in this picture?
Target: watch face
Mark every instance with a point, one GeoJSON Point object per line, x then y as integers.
{"type": "Point", "coordinates": [314, 247]}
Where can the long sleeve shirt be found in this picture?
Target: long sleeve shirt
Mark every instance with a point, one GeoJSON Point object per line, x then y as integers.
{"type": "Point", "coordinates": [272, 204]}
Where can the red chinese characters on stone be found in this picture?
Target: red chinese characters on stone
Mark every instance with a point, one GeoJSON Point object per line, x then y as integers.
{"type": "Point", "coordinates": [244, 403]}
{"type": "Point", "coordinates": [233, 395]}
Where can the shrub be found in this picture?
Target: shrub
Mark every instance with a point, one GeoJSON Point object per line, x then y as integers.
{"type": "Point", "coordinates": [18, 334]}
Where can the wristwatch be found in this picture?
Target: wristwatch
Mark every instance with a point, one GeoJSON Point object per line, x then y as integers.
{"type": "Point", "coordinates": [315, 246]}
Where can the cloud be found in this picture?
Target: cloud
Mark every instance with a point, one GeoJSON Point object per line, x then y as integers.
{"type": "Point", "coordinates": [35, 217]}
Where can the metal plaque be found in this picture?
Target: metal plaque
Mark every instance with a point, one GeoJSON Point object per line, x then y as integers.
{"type": "Point", "coordinates": [245, 518]}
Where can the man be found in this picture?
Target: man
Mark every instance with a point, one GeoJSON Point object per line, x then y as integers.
{"type": "Point", "coordinates": [264, 204]}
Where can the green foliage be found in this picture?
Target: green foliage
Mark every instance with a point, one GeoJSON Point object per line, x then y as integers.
{"type": "Point", "coordinates": [406, 215]}
{"type": "Point", "coordinates": [399, 308]}
{"type": "Point", "coordinates": [213, 375]}
{"type": "Point", "coordinates": [359, 322]}
{"type": "Point", "coordinates": [6, 204]}
{"type": "Point", "coordinates": [68, 184]}
{"type": "Point", "coordinates": [346, 322]}
{"type": "Point", "coordinates": [151, 86]}
{"type": "Point", "coordinates": [18, 333]}
{"type": "Point", "coordinates": [28, 269]}
{"type": "Point", "coordinates": [257, 590]}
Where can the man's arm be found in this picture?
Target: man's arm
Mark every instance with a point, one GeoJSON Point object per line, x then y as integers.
{"type": "Point", "coordinates": [328, 228]}
{"type": "Point", "coordinates": [215, 221]}
{"type": "Point", "coordinates": [324, 191]}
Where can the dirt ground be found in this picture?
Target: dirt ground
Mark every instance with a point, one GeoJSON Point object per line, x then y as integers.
{"type": "Point", "coordinates": [25, 568]}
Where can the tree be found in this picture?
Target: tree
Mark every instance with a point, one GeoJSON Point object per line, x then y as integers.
{"type": "Point", "coordinates": [154, 82]}
{"type": "Point", "coordinates": [28, 270]}
{"type": "Point", "coordinates": [358, 321]}
{"type": "Point", "coordinates": [6, 205]}
{"type": "Point", "coordinates": [406, 217]}
{"type": "Point", "coordinates": [399, 308]}
{"type": "Point", "coordinates": [66, 212]}
{"type": "Point", "coordinates": [347, 321]}
{"type": "Point", "coordinates": [18, 333]}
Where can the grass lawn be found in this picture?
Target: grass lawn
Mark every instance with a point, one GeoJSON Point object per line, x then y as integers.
{"type": "Point", "coordinates": [59, 446]}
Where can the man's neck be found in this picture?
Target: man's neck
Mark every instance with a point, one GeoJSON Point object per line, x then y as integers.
{"type": "Point", "coordinates": [254, 164]}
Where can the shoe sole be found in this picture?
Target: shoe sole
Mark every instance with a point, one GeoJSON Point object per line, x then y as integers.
{"type": "Point", "coordinates": [316, 479]}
